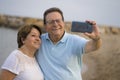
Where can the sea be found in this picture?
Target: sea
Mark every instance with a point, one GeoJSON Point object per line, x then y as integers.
{"type": "Point", "coordinates": [8, 42]}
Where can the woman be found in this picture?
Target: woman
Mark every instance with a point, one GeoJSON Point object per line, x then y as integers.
{"type": "Point", "coordinates": [21, 63]}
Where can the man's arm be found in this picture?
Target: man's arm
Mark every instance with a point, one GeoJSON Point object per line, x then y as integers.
{"type": "Point", "coordinates": [93, 45]}
{"type": "Point", "coordinates": [95, 42]}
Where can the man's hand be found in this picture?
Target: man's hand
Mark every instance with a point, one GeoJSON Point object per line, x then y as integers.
{"type": "Point", "coordinates": [95, 35]}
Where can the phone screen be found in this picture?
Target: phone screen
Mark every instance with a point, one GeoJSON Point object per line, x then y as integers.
{"type": "Point", "coordinates": [81, 27]}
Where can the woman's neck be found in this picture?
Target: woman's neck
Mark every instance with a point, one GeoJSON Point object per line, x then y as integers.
{"type": "Point", "coordinates": [27, 51]}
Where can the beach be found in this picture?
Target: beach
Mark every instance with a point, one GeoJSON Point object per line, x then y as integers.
{"type": "Point", "coordinates": [103, 64]}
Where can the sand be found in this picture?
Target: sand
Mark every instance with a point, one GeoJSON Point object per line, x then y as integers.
{"type": "Point", "coordinates": [104, 64]}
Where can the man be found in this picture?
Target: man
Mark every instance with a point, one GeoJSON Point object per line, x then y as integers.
{"type": "Point", "coordinates": [60, 54]}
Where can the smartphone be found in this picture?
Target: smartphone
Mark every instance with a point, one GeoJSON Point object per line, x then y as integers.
{"type": "Point", "coordinates": [81, 27]}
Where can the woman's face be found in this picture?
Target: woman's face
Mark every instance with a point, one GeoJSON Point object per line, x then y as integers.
{"type": "Point", "coordinates": [32, 40]}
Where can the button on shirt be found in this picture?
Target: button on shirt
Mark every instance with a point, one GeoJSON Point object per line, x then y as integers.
{"type": "Point", "coordinates": [61, 61]}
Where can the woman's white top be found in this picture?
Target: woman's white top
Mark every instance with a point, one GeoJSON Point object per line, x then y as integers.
{"type": "Point", "coordinates": [25, 67]}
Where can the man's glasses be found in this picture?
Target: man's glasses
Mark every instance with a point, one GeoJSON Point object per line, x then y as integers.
{"type": "Point", "coordinates": [51, 22]}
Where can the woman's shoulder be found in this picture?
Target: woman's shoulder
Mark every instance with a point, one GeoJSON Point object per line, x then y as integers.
{"type": "Point", "coordinates": [14, 53]}
{"type": "Point", "coordinates": [11, 62]}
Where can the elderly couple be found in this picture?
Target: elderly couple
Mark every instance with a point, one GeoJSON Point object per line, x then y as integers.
{"type": "Point", "coordinates": [55, 55]}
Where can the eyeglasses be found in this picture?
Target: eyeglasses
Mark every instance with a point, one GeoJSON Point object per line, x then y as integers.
{"type": "Point", "coordinates": [51, 22]}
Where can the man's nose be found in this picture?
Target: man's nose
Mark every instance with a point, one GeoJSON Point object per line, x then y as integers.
{"type": "Point", "coordinates": [55, 22]}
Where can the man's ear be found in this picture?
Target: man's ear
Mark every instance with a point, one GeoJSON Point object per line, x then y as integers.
{"type": "Point", "coordinates": [45, 27]}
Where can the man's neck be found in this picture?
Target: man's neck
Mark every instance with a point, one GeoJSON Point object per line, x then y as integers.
{"type": "Point", "coordinates": [55, 39]}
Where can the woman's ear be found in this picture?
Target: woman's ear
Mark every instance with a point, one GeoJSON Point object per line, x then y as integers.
{"type": "Point", "coordinates": [23, 40]}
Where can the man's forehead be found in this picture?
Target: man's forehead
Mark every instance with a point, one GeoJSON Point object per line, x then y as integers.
{"type": "Point", "coordinates": [53, 15]}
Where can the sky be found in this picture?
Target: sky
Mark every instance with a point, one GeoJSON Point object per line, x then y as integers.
{"type": "Point", "coordinates": [105, 12]}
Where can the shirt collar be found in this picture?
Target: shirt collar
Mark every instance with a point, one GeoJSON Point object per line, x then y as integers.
{"type": "Point", "coordinates": [64, 38]}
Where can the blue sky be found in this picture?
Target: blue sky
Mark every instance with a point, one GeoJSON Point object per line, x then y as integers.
{"type": "Point", "coordinates": [102, 11]}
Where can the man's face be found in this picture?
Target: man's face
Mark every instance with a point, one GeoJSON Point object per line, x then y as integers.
{"type": "Point", "coordinates": [54, 24]}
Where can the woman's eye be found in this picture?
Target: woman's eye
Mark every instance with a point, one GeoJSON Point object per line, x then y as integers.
{"type": "Point", "coordinates": [33, 35]}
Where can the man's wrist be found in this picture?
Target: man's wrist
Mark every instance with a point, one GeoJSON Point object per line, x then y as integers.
{"type": "Point", "coordinates": [96, 38]}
